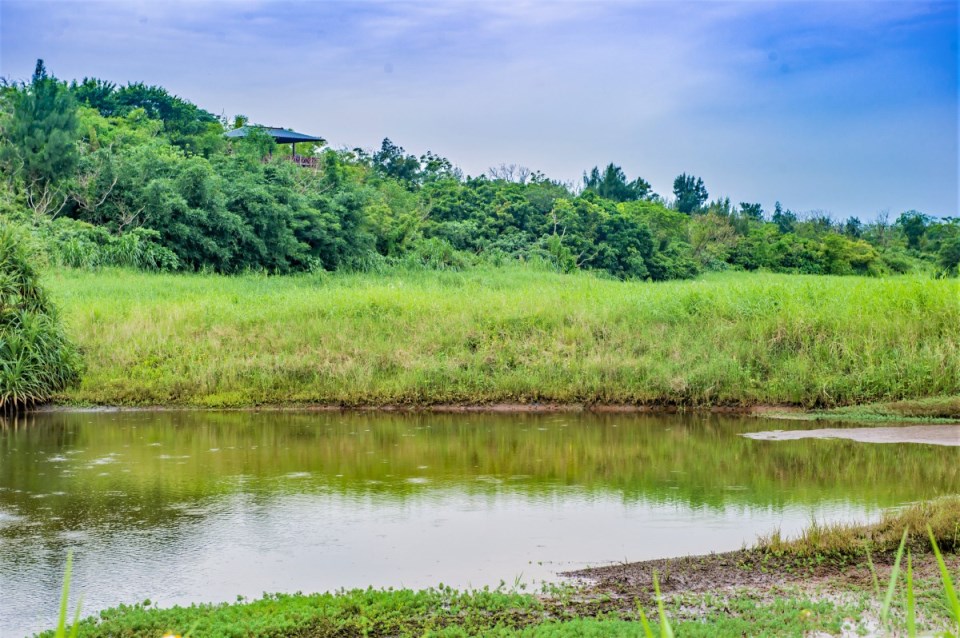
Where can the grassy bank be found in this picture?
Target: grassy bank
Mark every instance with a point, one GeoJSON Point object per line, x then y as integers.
{"type": "Point", "coordinates": [927, 410]}
{"type": "Point", "coordinates": [703, 596]}
{"type": "Point", "coordinates": [509, 335]}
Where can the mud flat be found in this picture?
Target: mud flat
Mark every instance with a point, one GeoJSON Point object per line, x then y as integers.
{"type": "Point", "coordinates": [929, 434]}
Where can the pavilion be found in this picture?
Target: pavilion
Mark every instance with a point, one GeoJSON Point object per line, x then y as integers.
{"type": "Point", "coordinates": [282, 136]}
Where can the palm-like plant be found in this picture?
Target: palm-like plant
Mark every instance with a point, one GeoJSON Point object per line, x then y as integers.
{"type": "Point", "coordinates": [36, 357]}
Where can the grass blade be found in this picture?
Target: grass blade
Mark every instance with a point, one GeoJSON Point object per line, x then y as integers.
{"type": "Point", "coordinates": [894, 574]}
{"type": "Point", "coordinates": [911, 603]}
{"type": "Point", "coordinates": [665, 630]}
{"type": "Point", "coordinates": [62, 620]}
{"type": "Point", "coordinates": [647, 631]}
{"type": "Point", "coordinates": [954, 602]}
{"type": "Point", "coordinates": [76, 619]}
{"type": "Point", "coordinates": [873, 574]}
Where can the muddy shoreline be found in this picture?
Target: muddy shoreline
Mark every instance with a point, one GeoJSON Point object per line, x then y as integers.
{"type": "Point", "coordinates": [745, 569]}
{"type": "Point", "coordinates": [452, 408]}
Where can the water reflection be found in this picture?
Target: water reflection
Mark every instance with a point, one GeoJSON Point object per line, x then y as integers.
{"type": "Point", "coordinates": [186, 506]}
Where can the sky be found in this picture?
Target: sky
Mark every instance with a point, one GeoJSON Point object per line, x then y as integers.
{"type": "Point", "coordinates": [840, 107]}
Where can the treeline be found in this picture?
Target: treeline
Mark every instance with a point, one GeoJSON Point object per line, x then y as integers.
{"type": "Point", "coordinates": [131, 175]}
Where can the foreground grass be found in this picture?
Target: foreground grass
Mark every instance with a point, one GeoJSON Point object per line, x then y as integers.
{"type": "Point", "coordinates": [450, 614]}
{"type": "Point", "coordinates": [784, 609]}
{"type": "Point", "coordinates": [509, 335]}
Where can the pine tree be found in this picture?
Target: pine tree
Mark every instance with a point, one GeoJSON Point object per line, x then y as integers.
{"type": "Point", "coordinates": [42, 132]}
{"type": "Point", "coordinates": [690, 193]}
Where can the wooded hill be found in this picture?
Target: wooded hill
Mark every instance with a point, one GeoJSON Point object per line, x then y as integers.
{"type": "Point", "coordinates": [133, 176]}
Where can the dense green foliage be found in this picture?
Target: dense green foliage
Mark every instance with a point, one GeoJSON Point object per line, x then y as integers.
{"type": "Point", "coordinates": [515, 333]}
{"type": "Point", "coordinates": [132, 175]}
{"type": "Point", "coordinates": [36, 358]}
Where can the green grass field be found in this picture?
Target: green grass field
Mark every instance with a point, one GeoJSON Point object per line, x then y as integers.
{"type": "Point", "coordinates": [509, 335]}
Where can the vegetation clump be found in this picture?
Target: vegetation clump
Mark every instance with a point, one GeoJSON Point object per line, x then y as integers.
{"type": "Point", "coordinates": [36, 357]}
{"type": "Point", "coordinates": [851, 542]}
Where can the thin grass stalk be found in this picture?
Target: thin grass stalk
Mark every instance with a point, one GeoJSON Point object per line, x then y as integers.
{"type": "Point", "coordinates": [665, 630]}
{"type": "Point", "coordinates": [952, 601]}
{"type": "Point", "coordinates": [873, 574]}
{"type": "Point", "coordinates": [911, 602]}
{"type": "Point", "coordinates": [65, 593]}
{"type": "Point", "coordinates": [894, 575]}
{"type": "Point", "coordinates": [647, 631]}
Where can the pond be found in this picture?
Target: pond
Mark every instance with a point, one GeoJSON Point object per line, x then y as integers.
{"type": "Point", "coordinates": [180, 507]}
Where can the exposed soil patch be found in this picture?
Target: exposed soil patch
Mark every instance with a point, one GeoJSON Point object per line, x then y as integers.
{"type": "Point", "coordinates": [743, 569]}
{"type": "Point", "coordinates": [930, 434]}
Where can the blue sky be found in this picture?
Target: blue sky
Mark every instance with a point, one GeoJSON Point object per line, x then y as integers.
{"type": "Point", "coordinates": [844, 107]}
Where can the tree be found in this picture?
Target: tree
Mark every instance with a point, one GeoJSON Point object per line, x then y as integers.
{"type": "Point", "coordinates": [98, 94]}
{"type": "Point", "coordinates": [391, 161]}
{"type": "Point", "coordinates": [948, 257]}
{"type": "Point", "coordinates": [853, 227]}
{"type": "Point", "coordinates": [510, 173]}
{"type": "Point", "coordinates": [186, 125]}
{"type": "Point", "coordinates": [751, 211]}
{"type": "Point", "coordinates": [40, 139]}
{"type": "Point", "coordinates": [690, 193]}
{"type": "Point", "coordinates": [712, 238]}
{"type": "Point", "coordinates": [914, 226]}
{"type": "Point", "coordinates": [784, 219]}
{"type": "Point", "coordinates": [612, 184]}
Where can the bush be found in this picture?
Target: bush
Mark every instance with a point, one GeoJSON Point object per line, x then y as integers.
{"type": "Point", "coordinates": [77, 244]}
{"type": "Point", "coordinates": [36, 358]}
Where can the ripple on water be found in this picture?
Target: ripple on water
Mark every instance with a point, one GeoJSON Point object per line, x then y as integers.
{"type": "Point", "coordinates": [74, 536]}
{"type": "Point", "coordinates": [9, 518]}
{"type": "Point", "coordinates": [103, 460]}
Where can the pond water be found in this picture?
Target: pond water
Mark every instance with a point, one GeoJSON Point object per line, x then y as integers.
{"type": "Point", "coordinates": [180, 507]}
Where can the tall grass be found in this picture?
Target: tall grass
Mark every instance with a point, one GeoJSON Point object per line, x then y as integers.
{"type": "Point", "coordinates": [510, 335]}
{"type": "Point", "coordinates": [36, 358]}
{"type": "Point", "coordinates": [897, 529]}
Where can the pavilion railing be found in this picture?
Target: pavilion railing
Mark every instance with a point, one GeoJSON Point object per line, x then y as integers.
{"type": "Point", "coordinates": [300, 160]}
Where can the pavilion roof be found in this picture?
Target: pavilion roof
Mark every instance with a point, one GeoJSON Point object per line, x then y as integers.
{"type": "Point", "coordinates": [281, 135]}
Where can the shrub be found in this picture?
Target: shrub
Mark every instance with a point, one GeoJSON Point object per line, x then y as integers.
{"type": "Point", "coordinates": [36, 358]}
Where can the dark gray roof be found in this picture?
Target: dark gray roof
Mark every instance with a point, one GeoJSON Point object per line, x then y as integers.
{"type": "Point", "coordinates": [281, 135]}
